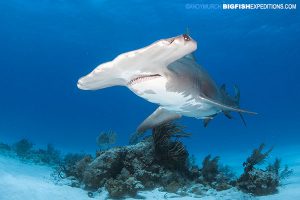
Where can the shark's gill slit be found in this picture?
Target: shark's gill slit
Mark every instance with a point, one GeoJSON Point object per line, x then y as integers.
{"type": "Point", "coordinates": [143, 78]}
{"type": "Point", "coordinates": [172, 40]}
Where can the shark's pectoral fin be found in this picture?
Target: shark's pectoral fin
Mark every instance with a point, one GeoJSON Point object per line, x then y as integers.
{"type": "Point", "coordinates": [226, 108]}
{"type": "Point", "coordinates": [158, 117]}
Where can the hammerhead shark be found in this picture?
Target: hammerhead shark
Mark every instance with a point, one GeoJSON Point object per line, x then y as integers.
{"type": "Point", "coordinates": [166, 73]}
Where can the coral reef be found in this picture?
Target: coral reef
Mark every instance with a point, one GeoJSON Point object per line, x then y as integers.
{"type": "Point", "coordinates": [261, 181]}
{"type": "Point", "coordinates": [158, 161]}
{"type": "Point", "coordinates": [49, 155]}
{"type": "Point", "coordinates": [74, 165]}
{"type": "Point", "coordinates": [161, 160]}
{"type": "Point", "coordinates": [214, 175]}
{"type": "Point", "coordinates": [4, 147]}
{"type": "Point", "coordinates": [117, 188]}
{"type": "Point", "coordinates": [23, 148]}
{"type": "Point", "coordinates": [210, 168]}
{"type": "Point", "coordinates": [25, 151]}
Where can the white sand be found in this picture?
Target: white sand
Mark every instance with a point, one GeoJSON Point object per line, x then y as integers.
{"type": "Point", "coordinates": [26, 181]}
{"type": "Point", "coordinates": [19, 181]}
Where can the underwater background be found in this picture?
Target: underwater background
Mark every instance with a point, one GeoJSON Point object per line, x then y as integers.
{"type": "Point", "coordinates": [47, 45]}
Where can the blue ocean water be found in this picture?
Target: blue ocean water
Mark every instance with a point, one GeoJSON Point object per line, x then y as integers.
{"type": "Point", "coordinates": [47, 45]}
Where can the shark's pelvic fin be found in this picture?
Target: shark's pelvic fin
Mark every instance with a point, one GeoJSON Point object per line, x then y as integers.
{"type": "Point", "coordinates": [243, 119]}
{"type": "Point", "coordinates": [208, 119]}
{"type": "Point", "coordinates": [158, 117]}
{"type": "Point", "coordinates": [227, 114]}
{"type": "Point", "coordinates": [234, 101]}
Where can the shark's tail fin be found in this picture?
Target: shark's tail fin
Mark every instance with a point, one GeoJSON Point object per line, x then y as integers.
{"type": "Point", "coordinates": [233, 101]}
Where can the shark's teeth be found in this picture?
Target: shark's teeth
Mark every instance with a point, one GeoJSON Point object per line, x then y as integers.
{"type": "Point", "coordinates": [143, 78]}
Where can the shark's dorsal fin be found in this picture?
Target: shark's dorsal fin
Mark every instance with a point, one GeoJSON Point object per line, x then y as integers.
{"type": "Point", "coordinates": [237, 93]}
{"type": "Point", "coordinates": [223, 89]}
{"type": "Point", "coordinates": [158, 117]}
{"type": "Point", "coordinates": [187, 31]}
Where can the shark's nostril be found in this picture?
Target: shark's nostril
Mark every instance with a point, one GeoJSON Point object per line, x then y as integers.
{"type": "Point", "coordinates": [80, 85]}
{"type": "Point", "coordinates": [186, 37]}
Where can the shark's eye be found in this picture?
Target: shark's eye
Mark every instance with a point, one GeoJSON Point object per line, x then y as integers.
{"type": "Point", "coordinates": [186, 37]}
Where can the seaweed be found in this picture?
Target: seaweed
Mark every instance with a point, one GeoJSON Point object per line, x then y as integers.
{"type": "Point", "coordinates": [226, 174]}
{"type": "Point", "coordinates": [274, 167]}
{"type": "Point", "coordinates": [257, 157]}
{"type": "Point", "coordinates": [216, 175]}
{"type": "Point", "coordinates": [23, 148]}
{"type": "Point", "coordinates": [285, 173]}
{"type": "Point", "coordinates": [106, 139]}
{"type": "Point", "coordinates": [168, 149]}
{"type": "Point", "coordinates": [49, 156]}
{"type": "Point", "coordinates": [191, 162]}
{"type": "Point", "coordinates": [135, 138]}
{"type": "Point", "coordinates": [210, 168]}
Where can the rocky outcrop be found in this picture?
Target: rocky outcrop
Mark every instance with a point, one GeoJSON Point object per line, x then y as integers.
{"type": "Point", "coordinates": [261, 181]}
{"type": "Point", "coordinates": [106, 166]}
{"type": "Point", "coordinates": [258, 182]}
{"type": "Point", "coordinates": [125, 170]}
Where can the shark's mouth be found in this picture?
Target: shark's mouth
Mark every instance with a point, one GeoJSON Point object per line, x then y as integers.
{"type": "Point", "coordinates": [143, 78]}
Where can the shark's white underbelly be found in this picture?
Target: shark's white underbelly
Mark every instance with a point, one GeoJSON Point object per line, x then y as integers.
{"type": "Point", "coordinates": [154, 90]}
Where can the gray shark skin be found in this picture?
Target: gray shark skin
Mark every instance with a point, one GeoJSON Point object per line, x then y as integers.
{"type": "Point", "coordinates": [167, 74]}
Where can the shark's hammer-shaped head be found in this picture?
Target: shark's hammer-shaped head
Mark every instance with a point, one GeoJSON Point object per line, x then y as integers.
{"type": "Point", "coordinates": [148, 62]}
{"type": "Point", "coordinates": [169, 50]}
